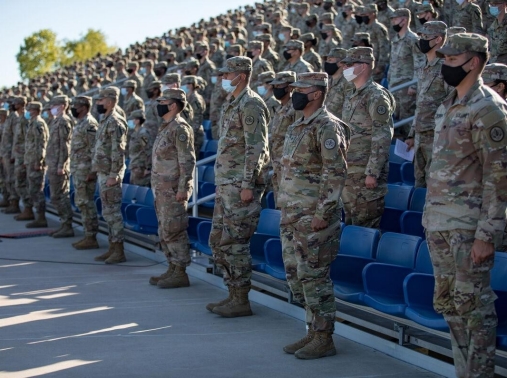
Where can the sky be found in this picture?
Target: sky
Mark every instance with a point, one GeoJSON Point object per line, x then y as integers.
{"type": "Point", "coordinates": [123, 22]}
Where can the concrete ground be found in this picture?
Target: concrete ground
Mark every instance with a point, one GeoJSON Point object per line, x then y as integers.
{"type": "Point", "coordinates": [63, 315]}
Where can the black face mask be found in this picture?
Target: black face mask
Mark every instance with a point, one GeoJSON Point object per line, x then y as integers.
{"type": "Point", "coordinates": [101, 109]}
{"type": "Point", "coordinates": [423, 21]}
{"type": "Point", "coordinates": [354, 45]}
{"type": "Point", "coordinates": [327, 7]}
{"type": "Point", "coordinates": [159, 73]}
{"type": "Point", "coordinates": [397, 28]}
{"type": "Point", "coordinates": [339, 4]}
{"type": "Point", "coordinates": [300, 100]}
{"type": "Point", "coordinates": [162, 110]}
{"type": "Point", "coordinates": [320, 25]}
{"type": "Point", "coordinates": [344, 15]}
{"type": "Point", "coordinates": [314, 41]}
{"type": "Point", "coordinates": [287, 55]}
{"type": "Point", "coordinates": [198, 56]}
{"type": "Point", "coordinates": [187, 72]}
{"type": "Point", "coordinates": [130, 70]}
{"type": "Point", "coordinates": [323, 35]}
{"type": "Point", "coordinates": [229, 56]}
{"type": "Point", "coordinates": [150, 93]}
{"type": "Point", "coordinates": [279, 93]}
{"type": "Point", "coordinates": [424, 45]}
{"type": "Point", "coordinates": [249, 54]}
{"type": "Point", "coordinates": [366, 19]}
{"type": "Point", "coordinates": [330, 68]}
{"type": "Point", "coordinates": [453, 76]}
{"type": "Point", "coordinates": [12, 108]}
{"type": "Point", "coordinates": [308, 23]}
{"type": "Point", "coordinates": [382, 6]}
{"type": "Point", "coordinates": [359, 19]}
{"type": "Point", "coordinates": [74, 112]}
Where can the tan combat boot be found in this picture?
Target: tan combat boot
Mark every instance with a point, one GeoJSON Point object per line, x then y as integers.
{"type": "Point", "coordinates": [40, 222]}
{"type": "Point", "coordinates": [154, 280]}
{"type": "Point", "coordinates": [66, 231]}
{"type": "Point", "coordinates": [294, 347]}
{"type": "Point", "coordinates": [211, 306]}
{"type": "Point", "coordinates": [89, 242]}
{"type": "Point", "coordinates": [107, 254]}
{"type": "Point", "coordinates": [118, 255]}
{"type": "Point", "coordinates": [238, 306]}
{"type": "Point", "coordinates": [13, 207]}
{"type": "Point", "coordinates": [322, 345]}
{"type": "Point", "coordinates": [178, 278]}
{"type": "Point", "coordinates": [26, 214]}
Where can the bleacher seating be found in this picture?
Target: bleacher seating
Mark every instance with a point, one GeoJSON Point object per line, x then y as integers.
{"type": "Point", "coordinates": [270, 200]}
{"type": "Point", "coordinates": [274, 259]}
{"type": "Point", "coordinates": [144, 198]}
{"type": "Point", "coordinates": [395, 163]}
{"type": "Point", "coordinates": [206, 124]}
{"type": "Point", "coordinates": [267, 228]}
{"type": "Point", "coordinates": [407, 173]}
{"type": "Point", "coordinates": [202, 244]}
{"type": "Point", "coordinates": [396, 202]}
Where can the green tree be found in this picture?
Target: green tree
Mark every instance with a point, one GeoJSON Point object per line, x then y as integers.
{"type": "Point", "coordinates": [39, 54]}
{"type": "Point", "coordinates": [93, 42]}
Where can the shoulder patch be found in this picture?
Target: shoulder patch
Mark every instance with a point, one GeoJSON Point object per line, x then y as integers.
{"type": "Point", "coordinates": [381, 109]}
{"type": "Point", "coordinates": [182, 137]}
{"type": "Point", "coordinates": [249, 120]}
{"type": "Point", "coordinates": [496, 134]}
{"type": "Point", "coordinates": [330, 144]}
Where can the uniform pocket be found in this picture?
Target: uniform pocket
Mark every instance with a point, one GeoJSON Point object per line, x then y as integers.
{"type": "Point", "coordinates": [112, 194]}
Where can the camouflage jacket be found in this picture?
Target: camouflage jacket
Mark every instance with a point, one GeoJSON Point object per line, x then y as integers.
{"type": "Point", "coordinates": [18, 141]}
{"type": "Point", "coordinates": [469, 16]}
{"type": "Point", "coordinates": [347, 28]}
{"type": "Point", "coordinates": [133, 103]}
{"type": "Point", "coordinates": [301, 66]}
{"type": "Point", "coordinates": [498, 41]}
{"type": "Point", "coordinates": [380, 42]}
{"type": "Point", "coordinates": [82, 146]}
{"type": "Point", "coordinates": [406, 58]}
{"type": "Point", "coordinates": [314, 59]}
{"type": "Point", "coordinates": [283, 118]}
{"type": "Point", "coordinates": [218, 97]}
{"type": "Point", "coordinates": [140, 149]}
{"type": "Point", "coordinates": [336, 95]}
{"type": "Point", "coordinates": [259, 66]}
{"type": "Point", "coordinates": [8, 136]}
{"type": "Point", "coordinates": [272, 104]}
{"type": "Point", "coordinates": [36, 140]}
{"type": "Point", "coordinates": [198, 105]}
{"type": "Point", "coordinates": [60, 134]}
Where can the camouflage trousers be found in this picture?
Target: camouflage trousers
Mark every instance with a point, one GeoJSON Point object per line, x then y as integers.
{"type": "Point", "coordinates": [36, 189]}
{"type": "Point", "coordinates": [464, 296]}
{"type": "Point", "coordinates": [234, 223]}
{"type": "Point", "coordinates": [3, 182]}
{"type": "Point", "coordinates": [110, 197]}
{"type": "Point", "coordinates": [21, 182]}
{"type": "Point", "coordinates": [198, 139]}
{"type": "Point", "coordinates": [10, 178]}
{"type": "Point", "coordinates": [275, 180]}
{"type": "Point", "coordinates": [84, 193]}
{"type": "Point", "coordinates": [423, 144]}
{"type": "Point", "coordinates": [363, 207]}
{"type": "Point", "coordinates": [172, 222]}
{"type": "Point", "coordinates": [405, 108]}
{"type": "Point", "coordinates": [59, 186]}
{"type": "Point", "coordinates": [138, 178]}
{"type": "Point", "coordinates": [215, 130]}
{"type": "Point", "coordinates": [307, 256]}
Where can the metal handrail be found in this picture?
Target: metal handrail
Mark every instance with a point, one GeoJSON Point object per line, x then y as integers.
{"type": "Point", "coordinates": [402, 86]}
{"type": "Point", "coordinates": [196, 202]}
{"type": "Point", "coordinates": [403, 122]}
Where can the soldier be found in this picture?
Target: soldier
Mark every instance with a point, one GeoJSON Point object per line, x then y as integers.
{"type": "Point", "coordinates": [58, 162]}
{"type": "Point", "coordinates": [497, 32]}
{"type": "Point", "coordinates": [311, 210]}
{"type": "Point", "coordinates": [149, 77]}
{"type": "Point", "coordinates": [431, 91]}
{"type": "Point", "coordinates": [134, 75]}
{"type": "Point", "coordinates": [331, 38]}
{"type": "Point", "coordinates": [3, 175]}
{"type": "Point", "coordinates": [384, 15]}
{"type": "Point", "coordinates": [282, 119]}
{"type": "Point", "coordinates": [260, 65]}
{"type": "Point", "coordinates": [152, 122]}
{"type": "Point", "coordinates": [368, 110]}
{"type": "Point", "coordinates": [468, 14]}
{"type": "Point", "coordinates": [495, 77]}
{"type": "Point", "coordinates": [240, 178]}
{"type": "Point", "coordinates": [337, 83]}
{"type": "Point", "coordinates": [131, 101]}
{"type": "Point", "coordinates": [406, 59]}
{"type": "Point", "coordinates": [464, 215]}
{"type": "Point", "coordinates": [265, 90]}
{"type": "Point", "coordinates": [108, 162]}
{"type": "Point", "coordinates": [206, 66]}
{"type": "Point", "coordinates": [268, 53]}
{"type": "Point", "coordinates": [160, 69]}
{"type": "Point", "coordinates": [292, 54]}
{"type": "Point", "coordinates": [140, 148]}
{"type": "Point", "coordinates": [173, 81]}
{"type": "Point", "coordinates": [310, 55]}
{"type": "Point", "coordinates": [85, 180]}
{"type": "Point", "coordinates": [218, 97]}
{"type": "Point", "coordinates": [173, 165]}
{"type": "Point", "coordinates": [8, 158]}
{"type": "Point", "coordinates": [190, 85]}
{"type": "Point", "coordinates": [36, 139]}
{"type": "Point", "coordinates": [347, 24]}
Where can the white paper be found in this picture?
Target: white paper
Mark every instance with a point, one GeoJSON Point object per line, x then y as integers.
{"type": "Point", "coordinates": [400, 149]}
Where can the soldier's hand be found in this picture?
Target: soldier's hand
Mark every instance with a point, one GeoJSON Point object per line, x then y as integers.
{"type": "Point", "coordinates": [318, 224]}
{"type": "Point", "coordinates": [111, 181]}
{"type": "Point", "coordinates": [59, 172]}
{"type": "Point", "coordinates": [147, 172]}
{"type": "Point", "coordinates": [370, 182]}
{"type": "Point", "coordinates": [482, 251]}
{"type": "Point", "coordinates": [247, 195]}
{"type": "Point", "coordinates": [410, 143]}
{"type": "Point", "coordinates": [411, 92]}
{"type": "Point", "coordinates": [91, 177]}
{"type": "Point", "coordinates": [181, 196]}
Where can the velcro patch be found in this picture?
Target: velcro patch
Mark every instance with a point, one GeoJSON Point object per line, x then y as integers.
{"type": "Point", "coordinates": [249, 120]}
{"type": "Point", "coordinates": [496, 134]}
{"type": "Point", "coordinates": [182, 138]}
{"type": "Point", "coordinates": [381, 109]}
{"type": "Point", "coordinates": [330, 144]}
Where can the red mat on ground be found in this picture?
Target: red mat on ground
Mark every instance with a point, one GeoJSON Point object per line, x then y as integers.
{"type": "Point", "coordinates": [28, 234]}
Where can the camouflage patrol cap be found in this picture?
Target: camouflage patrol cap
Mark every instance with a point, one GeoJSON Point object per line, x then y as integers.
{"type": "Point", "coordinates": [133, 65]}
{"type": "Point", "coordinates": [161, 65]}
{"type": "Point", "coordinates": [82, 100]}
{"type": "Point", "coordinates": [173, 94]}
{"type": "Point", "coordinates": [266, 77]}
{"type": "Point", "coordinates": [130, 84]}
{"type": "Point", "coordinates": [171, 78]}
{"type": "Point", "coordinates": [455, 30]}
{"type": "Point", "coordinates": [359, 10]}
{"type": "Point", "coordinates": [361, 36]}
{"type": "Point", "coordinates": [433, 27]}
{"type": "Point", "coordinates": [237, 63]}
{"type": "Point", "coordinates": [327, 16]}
{"type": "Point", "coordinates": [21, 99]}
{"type": "Point", "coordinates": [155, 84]}
{"type": "Point", "coordinates": [331, 28]}
{"type": "Point", "coordinates": [463, 42]}
{"type": "Point", "coordinates": [284, 77]}
{"type": "Point", "coordinates": [296, 32]}
{"type": "Point", "coordinates": [371, 8]}
{"type": "Point", "coordinates": [201, 83]}
{"type": "Point", "coordinates": [338, 53]}
{"type": "Point", "coordinates": [236, 48]}
{"type": "Point", "coordinates": [400, 12]}
{"type": "Point", "coordinates": [189, 79]}
{"type": "Point", "coordinates": [286, 28]}
{"type": "Point", "coordinates": [147, 62]}
{"type": "Point", "coordinates": [192, 63]}
{"type": "Point", "coordinates": [423, 8]}
{"type": "Point", "coordinates": [359, 55]}
{"type": "Point", "coordinates": [307, 37]}
{"type": "Point", "coordinates": [349, 7]}
{"type": "Point", "coordinates": [139, 113]}
{"type": "Point", "coordinates": [59, 100]}
{"type": "Point", "coordinates": [493, 72]}
{"type": "Point", "coordinates": [264, 37]}
{"type": "Point", "coordinates": [311, 17]}
{"type": "Point", "coordinates": [294, 44]}
{"type": "Point", "coordinates": [257, 45]}
{"type": "Point", "coordinates": [201, 46]}
{"type": "Point", "coordinates": [109, 92]}
{"type": "Point", "coordinates": [34, 105]}
{"type": "Point", "coordinates": [309, 79]}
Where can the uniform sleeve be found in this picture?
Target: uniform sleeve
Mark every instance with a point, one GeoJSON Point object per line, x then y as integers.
{"type": "Point", "coordinates": [380, 110]}
{"type": "Point", "coordinates": [186, 158]}
{"type": "Point", "coordinates": [198, 113]}
{"type": "Point", "coordinates": [491, 142]}
{"type": "Point", "coordinates": [255, 125]}
{"type": "Point", "coordinates": [139, 104]}
{"type": "Point", "coordinates": [64, 136]}
{"type": "Point", "coordinates": [419, 59]}
{"type": "Point", "coordinates": [333, 151]}
{"type": "Point", "coordinates": [384, 48]}
{"type": "Point", "coordinates": [40, 143]}
{"type": "Point", "coordinates": [91, 135]}
{"type": "Point", "coordinates": [118, 144]}
{"type": "Point", "coordinates": [476, 16]}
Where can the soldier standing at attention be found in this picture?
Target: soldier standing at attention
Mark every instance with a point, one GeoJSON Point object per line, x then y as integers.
{"type": "Point", "coordinates": [109, 163]}
{"type": "Point", "coordinates": [173, 163]}
{"type": "Point", "coordinates": [8, 158]}
{"type": "Point", "coordinates": [85, 181]}
{"type": "Point", "coordinates": [36, 140]}
{"type": "Point", "coordinates": [337, 83]}
{"type": "Point", "coordinates": [190, 86]}
{"type": "Point", "coordinates": [464, 215]}
{"type": "Point", "coordinates": [468, 15]}
{"type": "Point", "coordinates": [240, 178]}
{"type": "Point", "coordinates": [497, 31]}
{"type": "Point", "coordinates": [3, 175]}
{"type": "Point", "coordinates": [313, 174]}
{"type": "Point", "coordinates": [292, 54]}
{"type": "Point", "coordinates": [58, 160]}
{"type": "Point", "coordinates": [218, 97]}
{"type": "Point", "coordinates": [141, 144]}
{"type": "Point", "coordinates": [368, 110]}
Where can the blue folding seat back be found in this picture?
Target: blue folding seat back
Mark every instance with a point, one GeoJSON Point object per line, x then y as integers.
{"type": "Point", "coordinates": [274, 259]}
{"type": "Point", "coordinates": [269, 222]}
{"type": "Point", "coordinates": [499, 285]}
{"type": "Point", "coordinates": [124, 188]}
{"type": "Point", "coordinates": [200, 173]}
{"type": "Point", "coordinates": [203, 232]}
{"type": "Point", "coordinates": [407, 173]}
{"type": "Point", "coordinates": [395, 163]}
{"type": "Point", "coordinates": [207, 189]}
{"type": "Point", "coordinates": [140, 195]}
{"type": "Point", "coordinates": [193, 222]}
{"type": "Point", "coordinates": [147, 222]}
{"type": "Point", "coordinates": [209, 175]}
{"type": "Point", "coordinates": [268, 227]}
{"type": "Point", "coordinates": [398, 249]}
{"type": "Point", "coordinates": [398, 196]}
{"type": "Point", "coordinates": [359, 241]}
{"type": "Point", "coordinates": [206, 124]}
{"type": "Point", "coordinates": [270, 200]}
{"type": "Point", "coordinates": [417, 200]}
{"type": "Point", "coordinates": [423, 260]}
{"type": "Point", "coordinates": [204, 145]}
{"type": "Point", "coordinates": [127, 198]}
{"type": "Point", "coordinates": [411, 224]}
{"type": "Point", "coordinates": [212, 146]}
{"type": "Point", "coordinates": [126, 177]}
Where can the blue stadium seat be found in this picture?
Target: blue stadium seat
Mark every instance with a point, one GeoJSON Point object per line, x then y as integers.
{"type": "Point", "coordinates": [203, 231]}
{"type": "Point", "coordinates": [126, 177]}
{"type": "Point", "coordinates": [270, 200]}
{"type": "Point", "coordinates": [73, 202]}
{"type": "Point", "coordinates": [499, 284]}
{"type": "Point", "coordinates": [206, 124]}
{"type": "Point", "coordinates": [147, 222]}
{"type": "Point", "coordinates": [383, 279]}
{"type": "Point", "coordinates": [395, 163]}
{"type": "Point", "coordinates": [407, 173]}
{"type": "Point", "coordinates": [418, 200]}
{"type": "Point", "coordinates": [267, 228]}
{"type": "Point", "coordinates": [274, 259]}
{"type": "Point", "coordinates": [396, 202]}
{"type": "Point", "coordinates": [201, 152]}
{"type": "Point", "coordinates": [144, 198]}
{"type": "Point", "coordinates": [209, 175]}
{"type": "Point", "coordinates": [139, 193]}
{"type": "Point", "coordinates": [207, 189]}
{"type": "Point", "coordinates": [193, 222]}
{"type": "Point", "coordinates": [411, 224]}
{"type": "Point", "coordinates": [358, 247]}
{"type": "Point", "coordinates": [212, 146]}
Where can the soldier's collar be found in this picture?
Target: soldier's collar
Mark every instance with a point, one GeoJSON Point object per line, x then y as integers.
{"type": "Point", "coordinates": [307, 121]}
{"type": "Point", "coordinates": [235, 100]}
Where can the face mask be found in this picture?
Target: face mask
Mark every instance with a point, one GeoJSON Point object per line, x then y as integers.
{"type": "Point", "coordinates": [422, 20]}
{"type": "Point", "coordinates": [123, 91]}
{"type": "Point", "coordinates": [320, 25]}
{"type": "Point", "coordinates": [323, 35]}
{"type": "Point", "coordinates": [330, 68]}
{"type": "Point", "coordinates": [339, 4]}
{"type": "Point", "coordinates": [397, 28]}
{"type": "Point", "coordinates": [308, 23]}
{"type": "Point", "coordinates": [39, 95]}
{"type": "Point", "coordinates": [130, 70]}
{"type": "Point", "coordinates": [262, 91]}
{"type": "Point", "coordinates": [279, 93]}
{"type": "Point", "coordinates": [402, 2]}
{"type": "Point", "coordinates": [12, 108]}
{"type": "Point", "coordinates": [131, 124]}
{"type": "Point", "coordinates": [229, 56]}
{"type": "Point", "coordinates": [149, 94]}
{"type": "Point", "coordinates": [281, 37]}
{"type": "Point", "coordinates": [27, 115]}
{"type": "Point", "coordinates": [249, 54]}
{"type": "Point", "coordinates": [227, 86]}
{"type": "Point", "coordinates": [327, 7]}
{"type": "Point", "coordinates": [287, 55]}
{"type": "Point", "coordinates": [453, 76]}
{"type": "Point", "coordinates": [101, 109]}
{"type": "Point", "coordinates": [142, 71]}
{"type": "Point", "coordinates": [45, 114]}
{"type": "Point", "coordinates": [494, 11]}
{"type": "Point", "coordinates": [366, 19]}
{"type": "Point", "coordinates": [460, 2]}
{"type": "Point", "coordinates": [300, 100]}
{"type": "Point", "coordinates": [101, 75]}
{"type": "Point", "coordinates": [293, 11]}
{"type": "Point", "coordinates": [162, 110]}
{"type": "Point", "coordinates": [359, 19]}
{"type": "Point", "coordinates": [185, 89]}
{"type": "Point", "coordinates": [187, 72]}
{"type": "Point", "coordinates": [6, 106]}
{"type": "Point", "coordinates": [227, 44]}
{"type": "Point", "coordinates": [213, 80]}
{"type": "Point", "coordinates": [349, 74]}
{"type": "Point", "coordinates": [424, 45]}
{"type": "Point", "coordinates": [382, 6]}
{"type": "Point", "coordinates": [74, 112]}
{"type": "Point", "coordinates": [54, 112]}
{"type": "Point", "coordinates": [344, 15]}
{"type": "Point", "coordinates": [256, 33]}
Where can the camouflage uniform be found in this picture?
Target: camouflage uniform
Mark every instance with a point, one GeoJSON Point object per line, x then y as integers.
{"type": "Point", "coordinates": [218, 97]}
{"type": "Point", "coordinates": [136, 77]}
{"type": "Point", "coordinates": [466, 201]}
{"type": "Point", "coordinates": [152, 122]}
{"type": "Point", "coordinates": [269, 99]}
{"type": "Point", "coordinates": [133, 102]}
{"type": "Point", "coordinates": [347, 27]}
{"type": "Point", "coordinates": [109, 162]}
{"type": "Point", "coordinates": [469, 16]}
{"type": "Point", "coordinates": [81, 152]}
{"type": "Point", "coordinates": [140, 150]}
{"type": "Point", "coordinates": [4, 191]}
{"type": "Point", "coordinates": [300, 66]}
{"type": "Point", "coordinates": [338, 86]}
{"type": "Point", "coordinates": [310, 55]}
{"type": "Point", "coordinates": [326, 47]}
{"type": "Point", "coordinates": [6, 152]}
{"type": "Point", "coordinates": [368, 111]}
{"type": "Point", "coordinates": [259, 65]}
{"type": "Point", "coordinates": [498, 41]}
{"type": "Point", "coordinates": [381, 46]}
{"type": "Point", "coordinates": [198, 105]}
{"type": "Point", "coordinates": [242, 155]}
{"type": "Point", "coordinates": [319, 144]}
{"type": "Point", "coordinates": [148, 78]}
{"type": "Point", "coordinates": [18, 153]}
